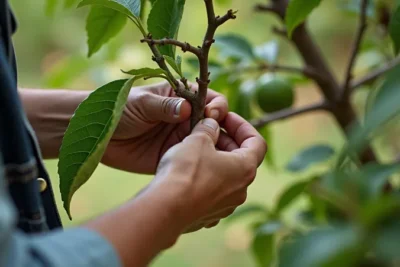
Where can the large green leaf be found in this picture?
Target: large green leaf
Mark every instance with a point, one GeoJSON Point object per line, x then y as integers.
{"type": "Point", "coordinates": [101, 25]}
{"type": "Point", "coordinates": [312, 155]}
{"type": "Point", "coordinates": [387, 245]}
{"type": "Point", "coordinates": [235, 46]}
{"type": "Point", "coordinates": [131, 8]}
{"type": "Point", "coordinates": [385, 108]}
{"type": "Point", "coordinates": [394, 29]}
{"type": "Point", "coordinates": [164, 21]}
{"type": "Point", "coordinates": [329, 247]}
{"type": "Point", "coordinates": [297, 12]}
{"type": "Point", "coordinates": [88, 134]}
{"type": "Point", "coordinates": [263, 246]}
{"type": "Point", "coordinates": [290, 194]}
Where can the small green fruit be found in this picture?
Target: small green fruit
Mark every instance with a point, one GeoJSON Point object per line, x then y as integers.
{"type": "Point", "coordinates": [274, 94]}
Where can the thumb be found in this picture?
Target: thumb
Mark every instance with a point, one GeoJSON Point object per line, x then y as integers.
{"type": "Point", "coordinates": [166, 109]}
{"type": "Point", "coordinates": [208, 128]}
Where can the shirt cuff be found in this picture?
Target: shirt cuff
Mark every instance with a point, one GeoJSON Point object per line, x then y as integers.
{"type": "Point", "coordinates": [78, 247]}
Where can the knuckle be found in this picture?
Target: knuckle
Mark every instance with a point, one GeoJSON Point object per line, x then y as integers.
{"type": "Point", "coordinates": [203, 138]}
{"type": "Point", "coordinates": [143, 98]}
{"type": "Point", "coordinates": [250, 171]}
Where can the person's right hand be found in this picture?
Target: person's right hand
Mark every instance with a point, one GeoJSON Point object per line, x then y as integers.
{"type": "Point", "coordinates": [212, 169]}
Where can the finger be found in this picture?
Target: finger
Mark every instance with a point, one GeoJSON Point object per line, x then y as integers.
{"type": "Point", "coordinates": [161, 108]}
{"type": "Point", "coordinates": [219, 215]}
{"type": "Point", "coordinates": [246, 136]}
{"type": "Point", "coordinates": [226, 143]}
{"type": "Point", "coordinates": [208, 130]}
{"type": "Point", "coordinates": [217, 106]}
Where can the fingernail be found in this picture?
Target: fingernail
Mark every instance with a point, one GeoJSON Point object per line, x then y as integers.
{"type": "Point", "coordinates": [214, 114]}
{"type": "Point", "coordinates": [177, 110]}
{"type": "Point", "coordinates": [211, 123]}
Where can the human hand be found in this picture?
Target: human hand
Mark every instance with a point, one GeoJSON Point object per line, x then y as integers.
{"type": "Point", "coordinates": [153, 121]}
{"type": "Point", "coordinates": [212, 169]}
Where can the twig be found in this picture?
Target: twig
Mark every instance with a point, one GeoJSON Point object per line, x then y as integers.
{"type": "Point", "coordinates": [288, 113]}
{"type": "Point", "coordinates": [186, 47]}
{"type": "Point", "coordinates": [203, 80]}
{"type": "Point", "coordinates": [355, 49]}
{"type": "Point", "coordinates": [376, 74]}
{"type": "Point", "coordinates": [179, 90]}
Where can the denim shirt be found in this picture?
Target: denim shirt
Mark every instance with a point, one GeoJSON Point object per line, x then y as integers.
{"type": "Point", "coordinates": [30, 226]}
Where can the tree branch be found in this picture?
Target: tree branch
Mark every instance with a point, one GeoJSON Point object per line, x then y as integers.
{"type": "Point", "coordinates": [203, 80]}
{"type": "Point", "coordinates": [376, 73]}
{"type": "Point", "coordinates": [186, 47]}
{"type": "Point", "coordinates": [179, 90]}
{"type": "Point", "coordinates": [346, 89]}
{"type": "Point", "coordinates": [288, 113]}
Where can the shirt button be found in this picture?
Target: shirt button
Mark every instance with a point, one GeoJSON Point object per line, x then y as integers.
{"type": "Point", "coordinates": [42, 184]}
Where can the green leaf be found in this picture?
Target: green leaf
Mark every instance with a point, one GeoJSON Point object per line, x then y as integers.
{"type": "Point", "coordinates": [146, 72]}
{"type": "Point", "coordinates": [374, 177]}
{"type": "Point", "coordinates": [290, 194]}
{"type": "Point", "coordinates": [175, 64]}
{"type": "Point", "coordinates": [235, 46]}
{"type": "Point", "coordinates": [310, 156]}
{"type": "Point", "coordinates": [164, 21]}
{"type": "Point", "coordinates": [328, 247]}
{"type": "Point", "coordinates": [297, 12]}
{"type": "Point", "coordinates": [102, 24]}
{"type": "Point", "coordinates": [88, 134]}
{"type": "Point", "coordinates": [266, 133]}
{"type": "Point", "coordinates": [263, 246]}
{"type": "Point", "coordinates": [247, 210]}
{"type": "Point", "coordinates": [387, 245]}
{"type": "Point", "coordinates": [243, 104]}
{"type": "Point", "coordinates": [394, 30]}
{"type": "Point", "coordinates": [385, 108]}
{"type": "Point", "coordinates": [131, 8]}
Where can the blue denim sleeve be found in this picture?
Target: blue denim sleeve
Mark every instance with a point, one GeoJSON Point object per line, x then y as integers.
{"type": "Point", "coordinates": [77, 247]}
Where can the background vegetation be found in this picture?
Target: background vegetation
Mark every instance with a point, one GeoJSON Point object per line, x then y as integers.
{"type": "Point", "coordinates": [51, 52]}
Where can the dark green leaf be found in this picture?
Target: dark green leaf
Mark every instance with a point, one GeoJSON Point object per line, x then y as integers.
{"type": "Point", "coordinates": [102, 24]}
{"type": "Point", "coordinates": [290, 194]}
{"type": "Point", "coordinates": [164, 21]}
{"type": "Point", "coordinates": [394, 30]}
{"type": "Point", "coordinates": [263, 246]}
{"type": "Point", "coordinates": [387, 245]}
{"type": "Point", "coordinates": [297, 12]}
{"type": "Point", "coordinates": [379, 210]}
{"type": "Point", "coordinates": [374, 178]}
{"type": "Point", "coordinates": [327, 247]}
{"type": "Point", "coordinates": [246, 210]}
{"type": "Point", "coordinates": [235, 46]}
{"type": "Point", "coordinates": [175, 64]}
{"type": "Point", "coordinates": [310, 156]}
{"type": "Point", "coordinates": [385, 108]}
{"type": "Point", "coordinates": [88, 134]}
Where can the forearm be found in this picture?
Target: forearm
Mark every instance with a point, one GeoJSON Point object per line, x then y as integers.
{"type": "Point", "coordinates": [143, 228]}
{"type": "Point", "coordinates": [49, 112]}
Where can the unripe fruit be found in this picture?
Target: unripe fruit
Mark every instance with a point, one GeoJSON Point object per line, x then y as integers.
{"type": "Point", "coordinates": [274, 94]}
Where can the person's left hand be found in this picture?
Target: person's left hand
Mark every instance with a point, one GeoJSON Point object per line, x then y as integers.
{"type": "Point", "coordinates": [153, 121]}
